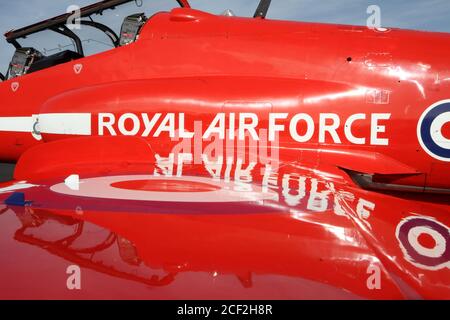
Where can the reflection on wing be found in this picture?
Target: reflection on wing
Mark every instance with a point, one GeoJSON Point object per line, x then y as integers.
{"type": "Point", "coordinates": [74, 246]}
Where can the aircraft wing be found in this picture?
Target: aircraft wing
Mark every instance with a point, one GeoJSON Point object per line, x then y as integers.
{"type": "Point", "coordinates": [134, 225]}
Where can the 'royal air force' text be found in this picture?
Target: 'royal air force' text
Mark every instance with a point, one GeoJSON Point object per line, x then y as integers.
{"type": "Point", "coordinates": [300, 127]}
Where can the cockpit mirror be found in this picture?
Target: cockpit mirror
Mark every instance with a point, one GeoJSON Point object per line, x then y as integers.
{"type": "Point", "coordinates": [22, 60]}
{"type": "Point", "coordinates": [131, 26]}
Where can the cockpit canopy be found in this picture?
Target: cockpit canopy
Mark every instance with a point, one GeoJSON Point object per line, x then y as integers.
{"type": "Point", "coordinates": [75, 30]}
{"type": "Point", "coordinates": [80, 37]}
{"type": "Point", "coordinates": [28, 60]}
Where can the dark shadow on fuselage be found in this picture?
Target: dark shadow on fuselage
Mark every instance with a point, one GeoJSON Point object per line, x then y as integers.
{"type": "Point", "coordinates": [6, 171]}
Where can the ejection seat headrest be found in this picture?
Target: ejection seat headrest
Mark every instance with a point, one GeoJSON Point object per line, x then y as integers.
{"type": "Point", "coordinates": [131, 27]}
{"type": "Point", "coordinates": [22, 60]}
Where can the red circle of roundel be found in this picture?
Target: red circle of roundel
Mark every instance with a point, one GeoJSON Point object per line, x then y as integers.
{"type": "Point", "coordinates": [445, 130]}
{"type": "Point", "coordinates": [427, 241]}
{"type": "Point", "coordinates": [165, 186]}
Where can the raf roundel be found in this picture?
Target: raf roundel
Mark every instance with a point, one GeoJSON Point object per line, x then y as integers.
{"type": "Point", "coordinates": [165, 189]}
{"type": "Point", "coordinates": [431, 130]}
{"type": "Point", "coordinates": [425, 242]}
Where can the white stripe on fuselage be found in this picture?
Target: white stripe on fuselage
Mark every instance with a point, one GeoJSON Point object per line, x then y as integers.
{"type": "Point", "coordinates": [52, 123]}
{"type": "Point", "coordinates": [16, 124]}
{"type": "Point", "coordinates": [65, 123]}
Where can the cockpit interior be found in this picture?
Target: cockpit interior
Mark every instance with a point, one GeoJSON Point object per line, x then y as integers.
{"type": "Point", "coordinates": [28, 58]}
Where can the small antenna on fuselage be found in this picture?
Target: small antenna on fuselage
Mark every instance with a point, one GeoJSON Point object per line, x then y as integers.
{"type": "Point", "coordinates": [262, 9]}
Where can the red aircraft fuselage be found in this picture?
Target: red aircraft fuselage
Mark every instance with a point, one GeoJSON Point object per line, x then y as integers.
{"type": "Point", "coordinates": [368, 101]}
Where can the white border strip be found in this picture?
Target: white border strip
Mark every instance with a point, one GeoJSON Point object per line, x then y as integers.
{"type": "Point", "coordinates": [51, 123]}
{"type": "Point", "coordinates": [16, 124]}
{"type": "Point", "coordinates": [65, 123]}
{"type": "Point", "coordinates": [100, 187]}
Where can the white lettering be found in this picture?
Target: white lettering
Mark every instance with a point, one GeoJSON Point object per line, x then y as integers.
{"type": "Point", "coordinates": [102, 123]}
{"type": "Point", "coordinates": [183, 134]}
{"type": "Point", "coordinates": [149, 124]}
{"type": "Point", "coordinates": [377, 128]}
{"type": "Point", "coordinates": [250, 127]}
{"type": "Point", "coordinates": [309, 127]}
{"type": "Point", "coordinates": [348, 128]}
{"type": "Point", "coordinates": [136, 124]}
{"type": "Point", "coordinates": [363, 207]}
{"type": "Point", "coordinates": [167, 125]}
{"type": "Point", "coordinates": [330, 128]}
{"type": "Point", "coordinates": [216, 126]}
{"type": "Point", "coordinates": [273, 127]}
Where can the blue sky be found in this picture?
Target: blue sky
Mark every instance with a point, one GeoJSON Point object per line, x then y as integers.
{"type": "Point", "coordinates": [432, 15]}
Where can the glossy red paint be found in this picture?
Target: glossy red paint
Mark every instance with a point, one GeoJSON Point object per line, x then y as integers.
{"type": "Point", "coordinates": [314, 239]}
{"type": "Point", "coordinates": [165, 186]}
{"type": "Point", "coordinates": [206, 64]}
{"type": "Point", "coordinates": [90, 155]}
{"type": "Point", "coordinates": [165, 210]}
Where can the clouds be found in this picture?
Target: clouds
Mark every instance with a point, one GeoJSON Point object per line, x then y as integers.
{"type": "Point", "coordinates": [429, 15]}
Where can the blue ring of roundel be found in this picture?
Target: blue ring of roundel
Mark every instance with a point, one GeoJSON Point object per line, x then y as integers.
{"type": "Point", "coordinates": [426, 134]}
